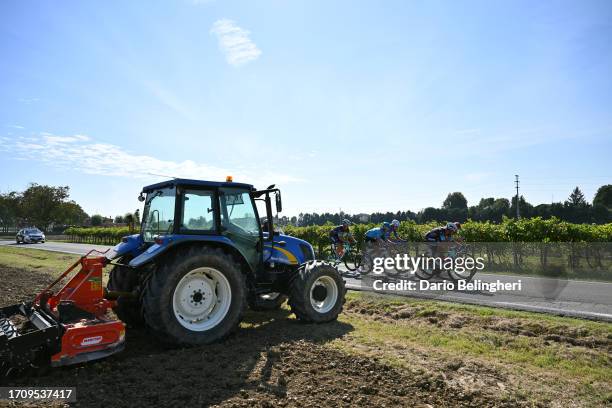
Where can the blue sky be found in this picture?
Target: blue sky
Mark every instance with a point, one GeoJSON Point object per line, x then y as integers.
{"type": "Point", "coordinates": [364, 106]}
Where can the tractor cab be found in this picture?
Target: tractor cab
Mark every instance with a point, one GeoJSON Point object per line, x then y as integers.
{"type": "Point", "coordinates": [225, 214]}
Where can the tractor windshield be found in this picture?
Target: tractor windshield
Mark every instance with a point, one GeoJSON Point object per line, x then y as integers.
{"type": "Point", "coordinates": [158, 214]}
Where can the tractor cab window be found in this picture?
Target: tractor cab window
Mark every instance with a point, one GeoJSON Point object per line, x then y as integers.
{"type": "Point", "coordinates": [158, 214]}
{"type": "Point", "coordinates": [198, 211]}
{"type": "Point", "coordinates": [237, 212]}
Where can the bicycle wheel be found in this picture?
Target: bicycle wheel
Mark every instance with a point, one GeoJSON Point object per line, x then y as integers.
{"type": "Point", "coordinates": [424, 274]}
{"type": "Point", "coordinates": [461, 276]}
{"type": "Point", "coordinates": [333, 256]}
{"type": "Point", "coordinates": [352, 260]}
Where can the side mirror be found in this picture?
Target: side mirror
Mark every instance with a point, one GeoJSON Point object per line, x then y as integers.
{"type": "Point", "coordinates": [141, 197]}
{"type": "Point", "coordinates": [279, 204]}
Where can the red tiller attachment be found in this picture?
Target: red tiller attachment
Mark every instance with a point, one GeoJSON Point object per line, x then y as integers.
{"type": "Point", "coordinates": [64, 327]}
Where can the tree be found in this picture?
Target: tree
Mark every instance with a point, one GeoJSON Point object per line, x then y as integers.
{"type": "Point", "coordinates": [40, 205]}
{"type": "Point", "coordinates": [431, 214]}
{"type": "Point", "coordinates": [603, 197]}
{"type": "Point", "coordinates": [455, 200]}
{"type": "Point", "coordinates": [70, 213]}
{"type": "Point", "coordinates": [9, 210]}
{"type": "Point", "coordinates": [119, 219]}
{"type": "Point", "coordinates": [500, 207]}
{"type": "Point", "coordinates": [576, 199]}
{"type": "Point", "coordinates": [96, 220]}
{"type": "Point", "coordinates": [526, 209]}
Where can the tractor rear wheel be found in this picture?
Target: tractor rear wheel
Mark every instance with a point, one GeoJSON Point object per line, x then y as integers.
{"type": "Point", "coordinates": [124, 279]}
{"type": "Point", "coordinates": [267, 301]}
{"type": "Point", "coordinates": [316, 294]}
{"type": "Point", "coordinates": [197, 296]}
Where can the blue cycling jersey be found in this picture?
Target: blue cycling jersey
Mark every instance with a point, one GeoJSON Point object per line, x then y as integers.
{"type": "Point", "coordinates": [394, 232]}
{"type": "Point", "coordinates": [376, 233]}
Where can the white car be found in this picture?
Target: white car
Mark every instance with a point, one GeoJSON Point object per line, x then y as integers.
{"type": "Point", "coordinates": [30, 236]}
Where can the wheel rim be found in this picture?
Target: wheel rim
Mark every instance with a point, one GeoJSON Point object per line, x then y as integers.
{"type": "Point", "coordinates": [201, 299]}
{"type": "Point", "coordinates": [324, 294]}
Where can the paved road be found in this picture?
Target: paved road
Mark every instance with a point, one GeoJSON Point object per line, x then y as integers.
{"type": "Point", "coordinates": [591, 300]}
{"type": "Point", "coordinates": [66, 247]}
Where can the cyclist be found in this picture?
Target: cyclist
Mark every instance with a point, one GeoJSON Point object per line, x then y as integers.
{"type": "Point", "coordinates": [339, 235]}
{"type": "Point", "coordinates": [379, 234]}
{"type": "Point", "coordinates": [455, 238]}
{"type": "Point", "coordinates": [394, 226]}
{"type": "Point", "coordinates": [440, 237]}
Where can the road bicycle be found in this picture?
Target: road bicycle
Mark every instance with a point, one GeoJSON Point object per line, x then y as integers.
{"type": "Point", "coordinates": [382, 250]}
{"type": "Point", "coordinates": [456, 251]}
{"type": "Point", "coordinates": [351, 256]}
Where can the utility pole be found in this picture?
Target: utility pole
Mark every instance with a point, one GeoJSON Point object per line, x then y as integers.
{"type": "Point", "coordinates": [516, 181]}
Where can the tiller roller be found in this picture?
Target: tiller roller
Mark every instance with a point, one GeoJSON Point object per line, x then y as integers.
{"type": "Point", "coordinates": [60, 328]}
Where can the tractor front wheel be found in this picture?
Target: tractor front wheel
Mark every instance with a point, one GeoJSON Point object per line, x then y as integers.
{"type": "Point", "coordinates": [317, 293]}
{"type": "Point", "coordinates": [197, 296]}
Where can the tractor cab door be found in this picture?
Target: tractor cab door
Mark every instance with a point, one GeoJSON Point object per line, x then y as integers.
{"type": "Point", "coordinates": [239, 223]}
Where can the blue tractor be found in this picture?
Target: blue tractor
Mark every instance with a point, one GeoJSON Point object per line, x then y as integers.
{"type": "Point", "coordinates": [203, 256]}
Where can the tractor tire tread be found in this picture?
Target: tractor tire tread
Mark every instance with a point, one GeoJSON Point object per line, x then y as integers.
{"type": "Point", "coordinates": [127, 310]}
{"type": "Point", "coordinates": [299, 296]}
{"type": "Point", "coordinates": [154, 295]}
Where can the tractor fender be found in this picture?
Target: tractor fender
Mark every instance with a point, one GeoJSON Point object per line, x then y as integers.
{"type": "Point", "coordinates": [165, 243]}
{"type": "Point", "coordinates": [130, 244]}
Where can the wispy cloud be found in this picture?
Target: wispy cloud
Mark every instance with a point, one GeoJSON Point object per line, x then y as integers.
{"type": "Point", "coordinates": [15, 127]}
{"type": "Point", "coordinates": [81, 153]}
{"type": "Point", "coordinates": [235, 42]}
{"type": "Point", "coordinates": [28, 101]}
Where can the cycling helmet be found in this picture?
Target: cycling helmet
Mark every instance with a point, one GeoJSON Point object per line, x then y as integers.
{"type": "Point", "coordinates": [346, 222]}
{"type": "Point", "coordinates": [395, 223]}
{"type": "Point", "coordinates": [451, 227]}
{"type": "Point", "coordinates": [386, 225]}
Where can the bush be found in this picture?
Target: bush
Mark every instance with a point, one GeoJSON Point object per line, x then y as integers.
{"type": "Point", "coordinates": [97, 235]}
{"type": "Point", "coordinates": [509, 230]}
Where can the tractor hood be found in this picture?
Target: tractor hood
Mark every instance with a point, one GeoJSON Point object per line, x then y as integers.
{"type": "Point", "coordinates": [287, 250]}
{"type": "Point", "coordinates": [131, 244]}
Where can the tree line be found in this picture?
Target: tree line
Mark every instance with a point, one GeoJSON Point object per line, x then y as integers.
{"type": "Point", "coordinates": [46, 207]}
{"type": "Point", "coordinates": [455, 207]}
{"type": "Point", "coordinates": [50, 208]}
